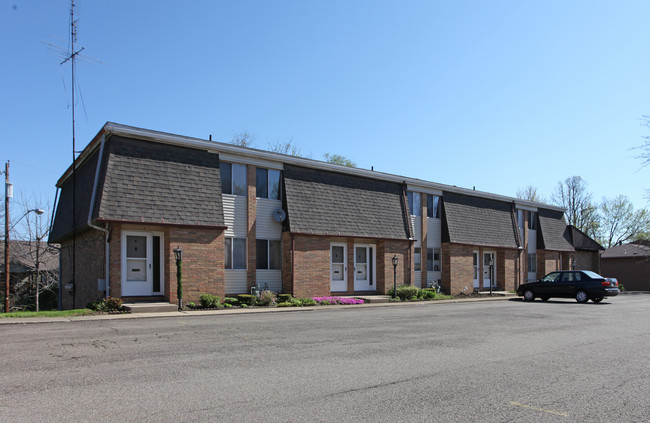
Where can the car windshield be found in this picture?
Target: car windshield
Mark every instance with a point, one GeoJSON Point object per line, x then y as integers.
{"type": "Point", "coordinates": [592, 275]}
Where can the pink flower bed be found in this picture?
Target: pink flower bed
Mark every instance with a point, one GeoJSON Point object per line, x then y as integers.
{"type": "Point", "coordinates": [337, 300]}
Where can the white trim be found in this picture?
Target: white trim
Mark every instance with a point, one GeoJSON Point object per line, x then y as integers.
{"type": "Point", "coordinates": [423, 190]}
{"type": "Point", "coordinates": [524, 207]}
{"type": "Point", "coordinates": [493, 276]}
{"type": "Point", "coordinates": [370, 283]}
{"type": "Point", "coordinates": [149, 263]}
{"type": "Point", "coordinates": [233, 158]}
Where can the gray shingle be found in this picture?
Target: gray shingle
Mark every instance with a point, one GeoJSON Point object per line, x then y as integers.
{"type": "Point", "coordinates": [478, 221]}
{"type": "Point", "coordinates": [552, 234]}
{"type": "Point", "coordinates": [329, 203]}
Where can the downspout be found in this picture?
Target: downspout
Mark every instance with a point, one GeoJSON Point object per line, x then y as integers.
{"type": "Point", "coordinates": [90, 216]}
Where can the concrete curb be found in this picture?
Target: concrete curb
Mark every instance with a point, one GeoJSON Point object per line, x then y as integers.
{"type": "Point", "coordinates": [32, 320]}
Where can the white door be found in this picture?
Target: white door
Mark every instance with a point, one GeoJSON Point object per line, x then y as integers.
{"type": "Point", "coordinates": [489, 266]}
{"type": "Point", "coordinates": [364, 268]}
{"type": "Point", "coordinates": [338, 266]}
{"type": "Point", "coordinates": [142, 264]}
{"type": "Point", "coordinates": [475, 263]}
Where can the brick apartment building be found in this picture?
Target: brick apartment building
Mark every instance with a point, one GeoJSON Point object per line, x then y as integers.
{"type": "Point", "coordinates": [244, 216]}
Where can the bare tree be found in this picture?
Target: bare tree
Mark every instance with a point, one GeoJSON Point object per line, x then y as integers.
{"type": "Point", "coordinates": [644, 148]}
{"type": "Point", "coordinates": [37, 259]}
{"type": "Point", "coordinates": [529, 193]}
{"type": "Point", "coordinates": [620, 223]}
{"type": "Point", "coordinates": [339, 160]}
{"type": "Point", "coordinates": [243, 139]}
{"type": "Point", "coordinates": [580, 211]}
{"type": "Point", "coordinates": [288, 148]}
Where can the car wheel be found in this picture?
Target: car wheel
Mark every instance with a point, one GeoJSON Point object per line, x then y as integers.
{"type": "Point", "coordinates": [582, 297]}
{"type": "Point", "coordinates": [529, 295]}
{"type": "Point", "coordinates": [597, 299]}
{"type": "Point", "coordinates": [545, 298]}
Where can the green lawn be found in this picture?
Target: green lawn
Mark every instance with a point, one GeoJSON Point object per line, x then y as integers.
{"type": "Point", "coordinates": [50, 313]}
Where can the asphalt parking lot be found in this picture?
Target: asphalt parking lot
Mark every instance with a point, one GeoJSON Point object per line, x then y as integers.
{"type": "Point", "coordinates": [478, 361]}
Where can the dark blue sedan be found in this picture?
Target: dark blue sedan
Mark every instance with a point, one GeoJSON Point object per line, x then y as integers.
{"type": "Point", "coordinates": [583, 285]}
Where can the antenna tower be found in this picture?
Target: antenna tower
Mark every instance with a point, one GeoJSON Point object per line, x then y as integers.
{"type": "Point", "coordinates": [72, 56]}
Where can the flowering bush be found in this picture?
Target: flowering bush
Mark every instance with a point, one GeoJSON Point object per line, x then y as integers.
{"type": "Point", "coordinates": [267, 298]}
{"type": "Point", "coordinates": [336, 300]}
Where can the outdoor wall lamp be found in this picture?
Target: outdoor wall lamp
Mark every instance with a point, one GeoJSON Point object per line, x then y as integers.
{"type": "Point", "coordinates": [395, 260]}
{"type": "Point", "coordinates": [178, 253]}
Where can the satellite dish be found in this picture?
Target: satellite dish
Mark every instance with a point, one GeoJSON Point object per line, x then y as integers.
{"type": "Point", "coordinates": [279, 215]}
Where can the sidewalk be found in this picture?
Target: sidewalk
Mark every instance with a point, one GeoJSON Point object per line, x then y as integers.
{"type": "Point", "coordinates": [187, 313]}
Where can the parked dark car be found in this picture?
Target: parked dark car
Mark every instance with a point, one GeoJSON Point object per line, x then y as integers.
{"type": "Point", "coordinates": [583, 285]}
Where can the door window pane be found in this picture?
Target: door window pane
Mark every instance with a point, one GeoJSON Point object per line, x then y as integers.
{"type": "Point", "coordinates": [337, 254]}
{"type": "Point", "coordinates": [274, 185]}
{"type": "Point", "coordinates": [226, 177]}
{"type": "Point", "coordinates": [275, 254]}
{"type": "Point", "coordinates": [136, 246]}
{"type": "Point", "coordinates": [262, 182]}
{"type": "Point", "coordinates": [262, 254]}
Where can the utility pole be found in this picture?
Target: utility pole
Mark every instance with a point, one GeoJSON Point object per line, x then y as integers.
{"type": "Point", "coordinates": [8, 194]}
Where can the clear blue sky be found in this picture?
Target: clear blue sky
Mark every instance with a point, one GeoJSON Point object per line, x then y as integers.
{"type": "Point", "coordinates": [492, 94]}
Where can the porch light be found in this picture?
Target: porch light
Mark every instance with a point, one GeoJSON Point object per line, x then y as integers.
{"type": "Point", "coordinates": [395, 260]}
{"type": "Point", "coordinates": [178, 253]}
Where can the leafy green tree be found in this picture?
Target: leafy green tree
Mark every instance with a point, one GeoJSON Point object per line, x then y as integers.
{"type": "Point", "coordinates": [339, 160]}
{"type": "Point", "coordinates": [621, 223]}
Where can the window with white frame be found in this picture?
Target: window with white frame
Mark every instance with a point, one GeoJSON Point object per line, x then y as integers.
{"type": "Point", "coordinates": [268, 183]}
{"type": "Point", "coordinates": [417, 259]}
{"type": "Point", "coordinates": [415, 206]}
{"type": "Point", "coordinates": [233, 178]}
{"type": "Point", "coordinates": [235, 253]}
{"type": "Point", "coordinates": [269, 254]}
{"type": "Point", "coordinates": [433, 259]}
{"type": "Point", "coordinates": [532, 263]}
{"type": "Point", "coordinates": [433, 209]}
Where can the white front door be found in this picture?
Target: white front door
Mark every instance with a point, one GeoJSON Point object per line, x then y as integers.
{"type": "Point", "coordinates": [489, 270]}
{"type": "Point", "coordinates": [338, 267]}
{"type": "Point", "coordinates": [142, 264]}
{"type": "Point", "coordinates": [364, 268]}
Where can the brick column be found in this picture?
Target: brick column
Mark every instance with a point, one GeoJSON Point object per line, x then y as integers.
{"type": "Point", "coordinates": [252, 214]}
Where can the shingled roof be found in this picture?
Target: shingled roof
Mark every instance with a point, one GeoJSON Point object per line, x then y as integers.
{"type": "Point", "coordinates": [582, 241]}
{"type": "Point", "coordinates": [552, 234]}
{"type": "Point", "coordinates": [328, 203]}
{"type": "Point", "coordinates": [478, 221]}
{"type": "Point", "coordinates": [145, 182]}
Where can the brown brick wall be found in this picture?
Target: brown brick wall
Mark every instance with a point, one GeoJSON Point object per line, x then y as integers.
{"type": "Point", "coordinates": [547, 261]}
{"type": "Point", "coordinates": [588, 260]}
{"type": "Point", "coordinates": [203, 260]}
{"type": "Point", "coordinates": [458, 267]}
{"type": "Point", "coordinates": [90, 257]}
{"type": "Point", "coordinates": [311, 276]}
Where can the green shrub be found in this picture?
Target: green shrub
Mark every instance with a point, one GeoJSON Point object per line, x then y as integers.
{"type": "Point", "coordinates": [106, 304]}
{"type": "Point", "coordinates": [230, 300]}
{"type": "Point", "coordinates": [285, 304]}
{"type": "Point", "coordinates": [244, 306]}
{"type": "Point", "coordinates": [325, 302]}
{"type": "Point", "coordinates": [308, 301]}
{"type": "Point", "coordinates": [227, 305]}
{"type": "Point", "coordinates": [427, 294]}
{"type": "Point", "coordinates": [247, 299]}
{"type": "Point", "coordinates": [210, 301]}
{"type": "Point", "coordinates": [283, 298]}
{"type": "Point", "coordinates": [296, 302]}
{"type": "Point", "coordinates": [405, 292]}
